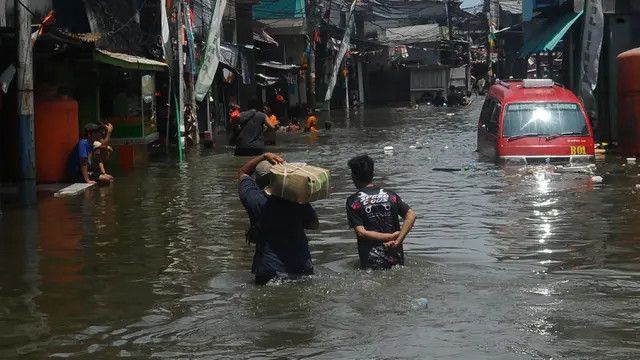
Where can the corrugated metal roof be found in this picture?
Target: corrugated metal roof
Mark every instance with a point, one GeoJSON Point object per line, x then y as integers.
{"type": "Point", "coordinates": [412, 34]}
{"type": "Point", "coordinates": [128, 61]}
{"type": "Point", "coordinates": [511, 6]}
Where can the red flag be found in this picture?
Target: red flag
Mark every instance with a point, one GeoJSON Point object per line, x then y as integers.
{"type": "Point", "coordinates": [48, 20]}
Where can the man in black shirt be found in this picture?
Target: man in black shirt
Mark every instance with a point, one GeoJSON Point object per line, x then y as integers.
{"type": "Point", "coordinates": [277, 225]}
{"type": "Point", "coordinates": [374, 213]}
{"type": "Point", "coordinates": [249, 132]}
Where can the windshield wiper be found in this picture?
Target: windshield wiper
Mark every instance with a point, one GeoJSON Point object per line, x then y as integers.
{"type": "Point", "coordinates": [568, 133]}
{"type": "Point", "coordinates": [516, 137]}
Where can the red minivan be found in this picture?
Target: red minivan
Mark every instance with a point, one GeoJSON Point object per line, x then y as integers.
{"type": "Point", "coordinates": [534, 120]}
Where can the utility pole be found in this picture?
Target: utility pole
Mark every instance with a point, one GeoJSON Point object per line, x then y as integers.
{"type": "Point", "coordinates": [447, 6]}
{"type": "Point", "coordinates": [311, 9]}
{"type": "Point", "coordinates": [180, 110]}
{"type": "Point", "coordinates": [25, 104]}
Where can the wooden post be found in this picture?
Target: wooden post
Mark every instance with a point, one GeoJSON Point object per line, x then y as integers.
{"type": "Point", "coordinates": [27, 155]}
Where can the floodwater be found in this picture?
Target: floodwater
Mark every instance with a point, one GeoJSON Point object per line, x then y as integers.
{"type": "Point", "coordinates": [514, 264]}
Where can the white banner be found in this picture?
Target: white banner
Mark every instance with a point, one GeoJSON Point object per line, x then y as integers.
{"type": "Point", "coordinates": [165, 28]}
{"type": "Point", "coordinates": [212, 52]}
{"type": "Point", "coordinates": [590, 53]}
{"type": "Point", "coordinates": [343, 50]}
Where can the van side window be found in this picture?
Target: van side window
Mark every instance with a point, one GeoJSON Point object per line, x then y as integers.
{"type": "Point", "coordinates": [492, 124]}
{"type": "Point", "coordinates": [485, 114]}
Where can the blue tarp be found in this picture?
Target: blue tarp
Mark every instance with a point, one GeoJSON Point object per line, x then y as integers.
{"type": "Point", "coordinates": [549, 34]}
{"type": "Point", "coordinates": [279, 9]}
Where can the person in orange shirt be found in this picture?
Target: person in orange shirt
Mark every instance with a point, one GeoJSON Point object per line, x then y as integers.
{"type": "Point", "coordinates": [271, 117]}
{"type": "Point", "coordinates": [312, 123]}
{"type": "Point", "coordinates": [234, 112]}
{"type": "Point", "coordinates": [270, 133]}
{"type": "Point", "coordinates": [232, 130]}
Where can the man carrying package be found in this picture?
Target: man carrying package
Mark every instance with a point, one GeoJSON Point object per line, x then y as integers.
{"type": "Point", "coordinates": [374, 212]}
{"type": "Point", "coordinates": [277, 225]}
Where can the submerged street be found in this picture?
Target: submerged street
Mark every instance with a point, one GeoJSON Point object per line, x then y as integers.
{"type": "Point", "coordinates": [514, 263]}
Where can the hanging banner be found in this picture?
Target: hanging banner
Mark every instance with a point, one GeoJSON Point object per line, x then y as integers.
{"type": "Point", "coordinates": [190, 40]}
{"type": "Point", "coordinates": [343, 50]}
{"type": "Point", "coordinates": [590, 56]}
{"type": "Point", "coordinates": [212, 52]}
{"type": "Point", "coordinates": [229, 56]}
{"type": "Point", "coordinates": [165, 29]}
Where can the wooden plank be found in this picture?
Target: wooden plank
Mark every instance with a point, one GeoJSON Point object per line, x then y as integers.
{"type": "Point", "coordinates": [73, 189]}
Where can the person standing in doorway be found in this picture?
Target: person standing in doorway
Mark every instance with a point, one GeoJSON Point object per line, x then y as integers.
{"type": "Point", "coordinates": [374, 212]}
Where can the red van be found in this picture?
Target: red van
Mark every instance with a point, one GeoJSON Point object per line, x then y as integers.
{"type": "Point", "coordinates": [534, 120]}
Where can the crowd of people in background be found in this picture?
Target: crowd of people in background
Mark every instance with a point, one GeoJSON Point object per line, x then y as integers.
{"type": "Point", "coordinates": [253, 129]}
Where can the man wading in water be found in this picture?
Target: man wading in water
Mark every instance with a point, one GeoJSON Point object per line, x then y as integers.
{"type": "Point", "coordinates": [248, 132]}
{"type": "Point", "coordinates": [277, 225]}
{"type": "Point", "coordinates": [374, 213]}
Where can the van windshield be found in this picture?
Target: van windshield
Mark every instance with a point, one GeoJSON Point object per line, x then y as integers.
{"type": "Point", "coordinates": [544, 119]}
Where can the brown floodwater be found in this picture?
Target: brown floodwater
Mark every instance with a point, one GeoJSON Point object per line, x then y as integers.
{"type": "Point", "coordinates": [514, 263]}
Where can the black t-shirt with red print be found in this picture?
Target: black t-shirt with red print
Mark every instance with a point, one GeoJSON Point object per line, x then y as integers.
{"type": "Point", "coordinates": [377, 209]}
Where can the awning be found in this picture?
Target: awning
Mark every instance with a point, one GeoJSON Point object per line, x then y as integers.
{"type": "Point", "coordinates": [264, 80]}
{"type": "Point", "coordinates": [278, 66]}
{"type": "Point", "coordinates": [546, 37]}
{"type": "Point", "coordinates": [126, 61]}
{"type": "Point", "coordinates": [262, 36]}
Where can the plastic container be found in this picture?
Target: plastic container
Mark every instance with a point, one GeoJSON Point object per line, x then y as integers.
{"type": "Point", "coordinates": [56, 134]}
{"type": "Point", "coordinates": [629, 102]}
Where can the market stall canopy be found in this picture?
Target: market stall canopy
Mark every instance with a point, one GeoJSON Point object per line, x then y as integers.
{"type": "Point", "coordinates": [264, 80]}
{"type": "Point", "coordinates": [278, 66]}
{"type": "Point", "coordinates": [262, 36]}
{"type": "Point", "coordinates": [126, 61]}
{"type": "Point", "coordinates": [549, 34]}
{"type": "Point", "coordinates": [292, 26]}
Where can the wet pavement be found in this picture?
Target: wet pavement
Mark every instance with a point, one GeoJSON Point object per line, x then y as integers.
{"type": "Point", "coordinates": [514, 263]}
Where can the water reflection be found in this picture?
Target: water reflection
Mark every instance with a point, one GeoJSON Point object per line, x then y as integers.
{"type": "Point", "coordinates": [515, 263]}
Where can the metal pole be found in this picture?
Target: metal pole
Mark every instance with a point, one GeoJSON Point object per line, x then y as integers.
{"type": "Point", "coordinates": [312, 56]}
{"type": "Point", "coordinates": [208, 100]}
{"type": "Point", "coordinates": [25, 105]}
{"type": "Point", "coordinates": [3, 14]}
{"type": "Point", "coordinates": [346, 88]}
{"type": "Point", "coordinates": [180, 109]}
{"type": "Point", "coordinates": [360, 84]}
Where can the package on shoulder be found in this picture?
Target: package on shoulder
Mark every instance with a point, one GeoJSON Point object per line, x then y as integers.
{"type": "Point", "coordinates": [299, 182]}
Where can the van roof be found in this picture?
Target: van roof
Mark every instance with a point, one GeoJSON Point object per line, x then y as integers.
{"type": "Point", "coordinates": [514, 91]}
